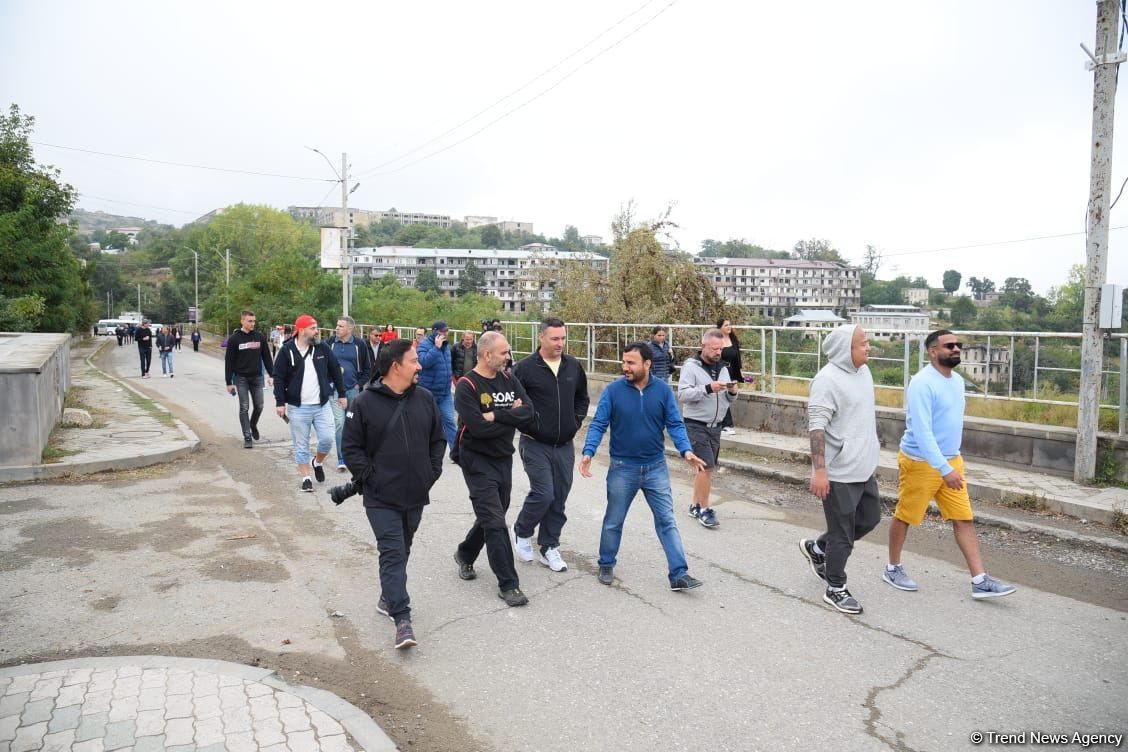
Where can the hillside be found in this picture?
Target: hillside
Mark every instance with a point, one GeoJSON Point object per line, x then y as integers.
{"type": "Point", "coordinates": [89, 222]}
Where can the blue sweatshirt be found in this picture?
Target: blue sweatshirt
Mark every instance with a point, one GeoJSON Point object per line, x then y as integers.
{"type": "Point", "coordinates": [934, 419]}
{"type": "Point", "coordinates": [637, 420]}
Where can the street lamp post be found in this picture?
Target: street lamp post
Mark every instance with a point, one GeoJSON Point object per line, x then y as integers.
{"type": "Point", "coordinates": [226, 256]}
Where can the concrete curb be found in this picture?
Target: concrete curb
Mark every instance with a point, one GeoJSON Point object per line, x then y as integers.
{"type": "Point", "coordinates": [65, 468]}
{"type": "Point", "coordinates": [360, 726]}
{"type": "Point", "coordinates": [775, 473]}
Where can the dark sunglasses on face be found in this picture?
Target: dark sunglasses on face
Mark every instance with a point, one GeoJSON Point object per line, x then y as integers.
{"type": "Point", "coordinates": [952, 345]}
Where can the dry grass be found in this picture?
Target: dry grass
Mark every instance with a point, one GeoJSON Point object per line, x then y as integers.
{"type": "Point", "coordinates": [982, 407]}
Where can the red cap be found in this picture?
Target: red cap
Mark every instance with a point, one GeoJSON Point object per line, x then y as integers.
{"type": "Point", "coordinates": [304, 321]}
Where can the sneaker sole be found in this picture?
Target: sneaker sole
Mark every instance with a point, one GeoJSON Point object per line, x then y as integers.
{"type": "Point", "coordinates": [382, 612]}
{"type": "Point", "coordinates": [810, 562]}
{"type": "Point", "coordinates": [690, 587]}
{"type": "Point", "coordinates": [885, 576]}
{"type": "Point", "coordinates": [708, 525]}
{"type": "Point", "coordinates": [408, 643]}
{"type": "Point", "coordinates": [544, 561]}
{"type": "Point", "coordinates": [521, 556]}
{"type": "Point", "coordinates": [984, 596]}
{"type": "Point", "coordinates": [839, 608]}
{"type": "Point", "coordinates": [514, 604]}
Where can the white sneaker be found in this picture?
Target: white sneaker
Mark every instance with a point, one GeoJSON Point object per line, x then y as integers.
{"type": "Point", "coordinates": [728, 431]}
{"type": "Point", "coordinates": [524, 548]}
{"type": "Point", "coordinates": [551, 559]}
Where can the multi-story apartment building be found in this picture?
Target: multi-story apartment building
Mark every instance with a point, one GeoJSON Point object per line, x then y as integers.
{"type": "Point", "coordinates": [975, 365]}
{"type": "Point", "coordinates": [775, 288]}
{"type": "Point", "coordinates": [887, 322]}
{"type": "Point", "coordinates": [517, 278]}
{"type": "Point", "coordinates": [333, 216]}
{"type": "Point", "coordinates": [517, 228]}
{"type": "Point", "coordinates": [917, 296]}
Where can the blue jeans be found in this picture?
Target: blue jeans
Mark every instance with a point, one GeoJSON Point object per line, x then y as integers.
{"type": "Point", "coordinates": [444, 400]}
{"type": "Point", "coordinates": [166, 362]}
{"type": "Point", "coordinates": [318, 417]}
{"type": "Point", "coordinates": [339, 417]}
{"type": "Point", "coordinates": [624, 481]}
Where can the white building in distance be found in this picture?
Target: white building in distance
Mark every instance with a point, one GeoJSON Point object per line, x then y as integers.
{"type": "Point", "coordinates": [775, 288]}
{"type": "Point", "coordinates": [886, 322]}
{"type": "Point", "coordinates": [516, 278]}
{"type": "Point", "coordinates": [333, 216]}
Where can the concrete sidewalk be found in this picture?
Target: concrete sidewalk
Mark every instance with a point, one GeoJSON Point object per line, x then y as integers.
{"type": "Point", "coordinates": [155, 702]}
{"type": "Point", "coordinates": [129, 431]}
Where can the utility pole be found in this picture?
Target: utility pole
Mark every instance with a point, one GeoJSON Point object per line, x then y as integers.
{"type": "Point", "coordinates": [139, 300]}
{"type": "Point", "coordinates": [345, 234]}
{"type": "Point", "coordinates": [1105, 62]}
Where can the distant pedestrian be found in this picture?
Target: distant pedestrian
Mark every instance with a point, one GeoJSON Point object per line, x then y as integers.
{"type": "Point", "coordinates": [244, 362]}
{"type": "Point", "coordinates": [177, 335]}
{"type": "Point", "coordinates": [275, 340]}
{"type": "Point", "coordinates": [394, 446]}
{"type": "Point", "coordinates": [491, 406]}
{"type": "Point", "coordinates": [931, 467]}
{"type": "Point", "coordinates": [705, 391]}
{"type": "Point", "coordinates": [420, 333]}
{"type": "Point", "coordinates": [307, 376]}
{"type": "Point", "coordinates": [434, 357]}
{"type": "Point", "coordinates": [166, 342]}
{"type": "Point", "coordinates": [730, 353]}
{"type": "Point", "coordinates": [663, 358]}
{"type": "Point", "coordinates": [844, 454]}
{"type": "Point", "coordinates": [557, 389]}
{"type": "Point", "coordinates": [355, 361]}
{"type": "Point", "coordinates": [144, 337]}
{"type": "Point", "coordinates": [119, 332]}
{"type": "Point", "coordinates": [374, 345]}
{"type": "Point", "coordinates": [131, 332]}
{"type": "Point", "coordinates": [196, 337]}
{"type": "Point", "coordinates": [638, 409]}
{"type": "Point", "coordinates": [388, 334]}
{"type": "Point", "coordinates": [464, 355]}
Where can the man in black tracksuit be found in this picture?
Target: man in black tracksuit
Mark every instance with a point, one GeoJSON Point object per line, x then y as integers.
{"type": "Point", "coordinates": [490, 407]}
{"type": "Point", "coordinates": [247, 355]}
{"type": "Point", "coordinates": [557, 386]}
{"type": "Point", "coordinates": [393, 443]}
{"type": "Point", "coordinates": [144, 339]}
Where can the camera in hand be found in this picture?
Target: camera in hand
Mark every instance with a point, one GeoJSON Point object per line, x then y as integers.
{"type": "Point", "coordinates": [339, 493]}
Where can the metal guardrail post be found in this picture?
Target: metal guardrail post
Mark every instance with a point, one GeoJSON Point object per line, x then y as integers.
{"type": "Point", "coordinates": [1010, 371]}
{"type": "Point", "coordinates": [1123, 381]}
{"type": "Point", "coordinates": [774, 350]}
{"type": "Point", "coordinates": [1037, 344]}
{"type": "Point", "coordinates": [987, 372]}
{"type": "Point", "coordinates": [763, 356]}
{"type": "Point", "coordinates": [591, 348]}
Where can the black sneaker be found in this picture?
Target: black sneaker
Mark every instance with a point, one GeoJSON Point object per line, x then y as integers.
{"type": "Point", "coordinates": [405, 635]}
{"type": "Point", "coordinates": [843, 601]}
{"type": "Point", "coordinates": [817, 561]}
{"type": "Point", "coordinates": [382, 607]}
{"type": "Point", "coordinates": [513, 597]}
{"type": "Point", "coordinates": [685, 582]}
{"type": "Point", "coordinates": [606, 575]}
{"type": "Point", "coordinates": [708, 517]}
{"type": "Point", "coordinates": [307, 485]}
{"type": "Point", "coordinates": [318, 472]}
{"type": "Point", "coordinates": [694, 510]}
{"type": "Point", "coordinates": [465, 571]}
{"type": "Point", "coordinates": [248, 444]}
{"type": "Point", "coordinates": [254, 432]}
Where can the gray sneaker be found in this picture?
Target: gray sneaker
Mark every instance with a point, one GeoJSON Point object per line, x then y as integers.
{"type": "Point", "coordinates": [843, 601]}
{"type": "Point", "coordinates": [606, 575]}
{"type": "Point", "coordinates": [899, 578]}
{"type": "Point", "coordinates": [990, 588]}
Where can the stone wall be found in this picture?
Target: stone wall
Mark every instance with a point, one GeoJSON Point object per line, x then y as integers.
{"type": "Point", "coordinates": [34, 379]}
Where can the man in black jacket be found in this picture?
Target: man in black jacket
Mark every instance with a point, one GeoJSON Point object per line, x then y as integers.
{"type": "Point", "coordinates": [394, 445]}
{"type": "Point", "coordinates": [557, 387]}
{"type": "Point", "coordinates": [305, 376]}
{"type": "Point", "coordinates": [144, 338]}
{"type": "Point", "coordinates": [247, 356]}
{"type": "Point", "coordinates": [490, 406]}
{"type": "Point", "coordinates": [464, 355]}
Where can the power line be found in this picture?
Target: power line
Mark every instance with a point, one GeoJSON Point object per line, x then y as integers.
{"type": "Point", "coordinates": [997, 242]}
{"type": "Point", "coordinates": [520, 88]}
{"type": "Point", "coordinates": [180, 164]}
{"type": "Point", "coordinates": [532, 99]}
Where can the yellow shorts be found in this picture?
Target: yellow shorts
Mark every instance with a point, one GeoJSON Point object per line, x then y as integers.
{"type": "Point", "coordinates": [920, 483]}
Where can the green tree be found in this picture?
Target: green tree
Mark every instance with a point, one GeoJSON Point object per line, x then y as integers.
{"type": "Point", "coordinates": [38, 261]}
{"type": "Point", "coordinates": [737, 249]}
{"type": "Point", "coordinates": [472, 280]}
{"type": "Point", "coordinates": [816, 250]}
{"type": "Point", "coordinates": [980, 287]}
{"type": "Point", "coordinates": [963, 311]}
{"type": "Point", "coordinates": [491, 236]}
{"type": "Point", "coordinates": [427, 281]}
{"type": "Point", "coordinates": [952, 280]}
{"type": "Point", "coordinates": [571, 240]}
{"type": "Point", "coordinates": [871, 262]}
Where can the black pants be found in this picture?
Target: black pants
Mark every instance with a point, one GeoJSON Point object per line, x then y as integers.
{"type": "Point", "coordinates": [490, 481]}
{"type": "Point", "coordinates": [195, 346]}
{"type": "Point", "coordinates": [394, 530]}
{"type": "Point", "coordinates": [851, 510]}
{"type": "Point", "coordinates": [727, 421]}
{"type": "Point", "coordinates": [550, 479]}
{"type": "Point", "coordinates": [146, 354]}
{"type": "Point", "coordinates": [250, 390]}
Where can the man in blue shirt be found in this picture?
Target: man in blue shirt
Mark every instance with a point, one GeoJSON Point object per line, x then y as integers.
{"type": "Point", "coordinates": [931, 467]}
{"type": "Point", "coordinates": [638, 408]}
{"type": "Point", "coordinates": [355, 359]}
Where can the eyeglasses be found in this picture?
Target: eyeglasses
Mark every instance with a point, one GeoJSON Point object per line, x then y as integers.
{"type": "Point", "coordinates": [952, 345]}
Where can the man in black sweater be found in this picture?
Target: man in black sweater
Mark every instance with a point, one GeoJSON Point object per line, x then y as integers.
{"type": "Point", "coordinates": [144, 338]}
{"type": "Point", "coordinates": [557, 387]}
{"type": "Point", "coordinates": [393, 443]}
{"type": "Point", "coordinates": [491, 407]}
{"type": "Point", "coordinates": [247, 355]}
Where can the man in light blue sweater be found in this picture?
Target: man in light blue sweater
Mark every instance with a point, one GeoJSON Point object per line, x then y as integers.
{"type": "Point", "coordinates": [638, 409]}
{"type": "Point", "coordinates": [844, 455]}
{"type": "Point", "coordinates": [931, 466]}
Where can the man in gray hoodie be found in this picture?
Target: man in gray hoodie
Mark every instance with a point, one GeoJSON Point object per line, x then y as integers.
{"type": "Point", "coordinates": [844, 455]}
{"type": "Point", "coordinates": [705, 391]}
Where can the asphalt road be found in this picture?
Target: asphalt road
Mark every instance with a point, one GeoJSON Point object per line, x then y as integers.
{"type": "Point", "coordinates": [220, 555]}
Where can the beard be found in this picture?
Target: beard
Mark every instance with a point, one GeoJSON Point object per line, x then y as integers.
{"type": "Point", "coordinates": [949, 361]}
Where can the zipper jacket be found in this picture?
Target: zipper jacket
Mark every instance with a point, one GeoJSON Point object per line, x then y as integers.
{"type": "Point", "coordinates": [289, 372]}
{"type": "Point", "coordinates": [699, 403]}
{"type": "Point", "coordinates": [560, 401]}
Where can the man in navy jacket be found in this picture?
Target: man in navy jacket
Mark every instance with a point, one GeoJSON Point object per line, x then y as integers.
{"type": "Point", "coordinates": [434, 357]}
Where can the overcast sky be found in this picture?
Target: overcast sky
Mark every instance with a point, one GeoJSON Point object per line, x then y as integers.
{"type": "Point", "coordinates": [908, 126]}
